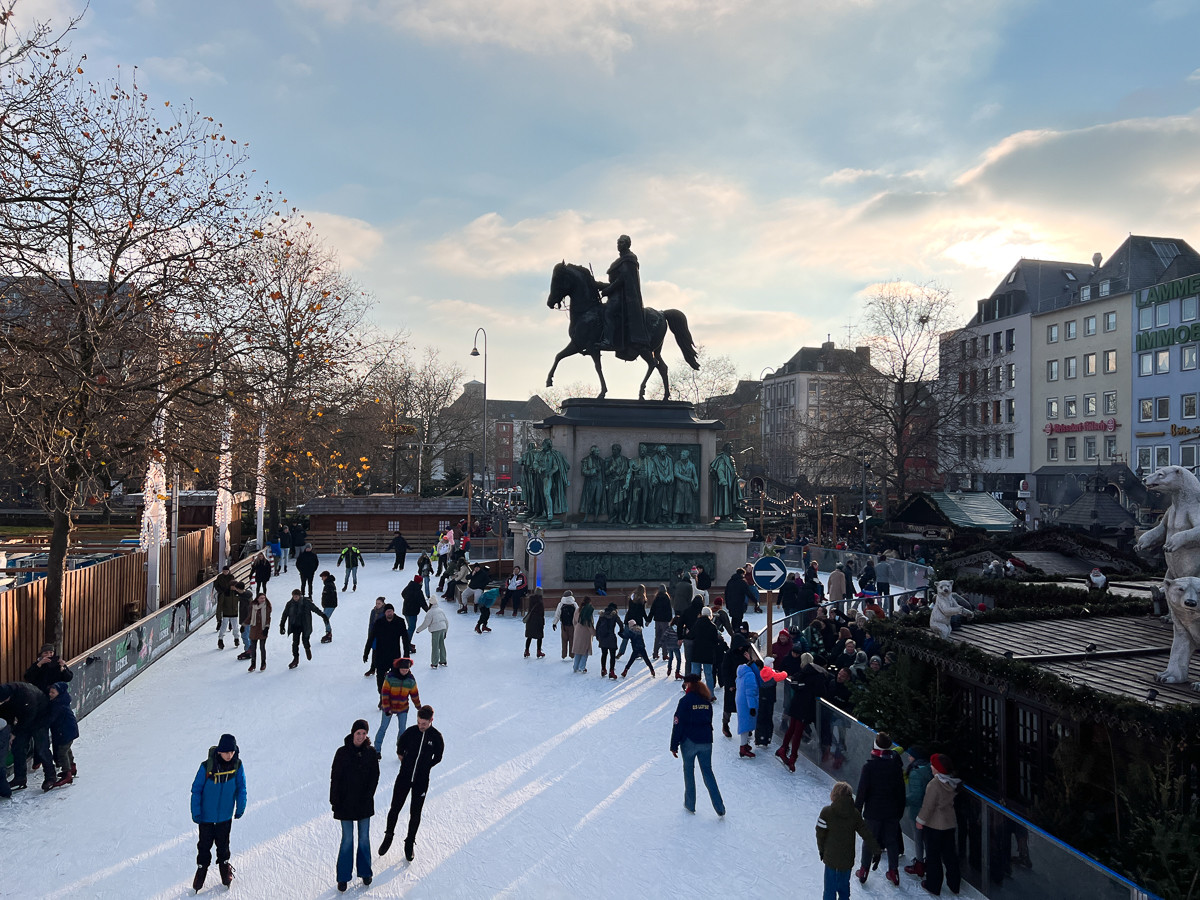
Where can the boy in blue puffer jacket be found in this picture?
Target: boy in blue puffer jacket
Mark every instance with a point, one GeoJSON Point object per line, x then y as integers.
{"type": "Point", "coordinates": [64, 729]}
{"type": "Point", "coordinates": [218, 797]}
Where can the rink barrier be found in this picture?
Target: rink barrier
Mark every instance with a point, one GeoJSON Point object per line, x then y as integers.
{"type": "Point", "coordinates": [992, 840]}
{"type": "Point", "coordinates": [904, 574]}
{"type": "Point", "coordinates": [110, 665]}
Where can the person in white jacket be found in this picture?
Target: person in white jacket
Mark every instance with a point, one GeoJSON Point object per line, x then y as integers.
{"type": "Point", "coordinates": [564, 614]}
{"type": "Point", "coordinates": [437, 623]}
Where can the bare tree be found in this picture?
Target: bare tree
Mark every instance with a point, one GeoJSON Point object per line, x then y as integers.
{"type": "Point", "coordinates": [717, 375]}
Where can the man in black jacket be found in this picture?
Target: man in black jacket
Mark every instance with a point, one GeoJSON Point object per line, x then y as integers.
{"type": "Point", "coordinates": [703, 654]}
{"type": "Point", "coordinates": [296, 619]}
{"type": "Point", "coordinates": [414, 603]}
{"type": "Point", "coordinates": [27, 710]}
{"type": "Point", "coordinates": [420, 748]}
{"type": "Point", "coordinates": [47, 669]}
{"type": "Point", "coordinates": [735, 597]}
{"type": "Point", "coordinates": [789, 595]}
{"type": "Point", "coordinates": [660, 613]}
{"type": "Point", "coordinates": [391, 639]}
{"type": "Point", "coordinates": [880, 798]}
{"type": "Point", "coordinates": [400, 546]}
{"type": "Point", "coordinates": [352, 783]}
{"type": "Point", "coordinates": [306, 564]}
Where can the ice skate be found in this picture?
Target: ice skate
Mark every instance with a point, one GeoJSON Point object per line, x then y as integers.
{"type": "Point", "coordinates": [226, 872]}
{"type": "Point", "coordinates": [198, 881]}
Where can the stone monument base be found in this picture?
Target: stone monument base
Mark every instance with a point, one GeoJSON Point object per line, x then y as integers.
{"type": "Point", "coordinates": [631, 556]}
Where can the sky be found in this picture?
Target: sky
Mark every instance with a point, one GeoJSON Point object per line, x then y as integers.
{"type": "Point", "coordinates": [771, 160]}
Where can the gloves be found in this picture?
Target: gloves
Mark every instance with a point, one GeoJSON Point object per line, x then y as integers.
{"type": "Point", "coordinates": [754, 712]}
{"type": "Point", "coordinates": [364, 657]}
{"type": "Point", "coordinates": [237, 815]}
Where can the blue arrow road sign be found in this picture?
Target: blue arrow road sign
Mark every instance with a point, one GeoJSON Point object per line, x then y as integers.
{"type": "Point", "coordinates": [535, 547]}
{"type": "Point", "coordinates": [769, 573]}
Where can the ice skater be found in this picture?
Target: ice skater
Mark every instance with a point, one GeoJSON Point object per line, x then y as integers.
{"type": "Point", "coordinates": [352, 783]}
{"type": "Point", "coordinates": [329, 602]}
{"type": "Point", "coordinates": [693, 734]}
{"type": "Point", "coordinates": [399, 690]}
{"type": "Point", "coordinates": [637, 647]}
{"type": "Point", "coordinates": [420, 748]}
{"type": "Point", "coordinates": [218, 797]}
{"type": "Point", "coordinates": [297, 620]}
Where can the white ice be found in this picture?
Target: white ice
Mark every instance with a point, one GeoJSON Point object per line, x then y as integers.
{"type": "Point", "coordinates": [553, 784]}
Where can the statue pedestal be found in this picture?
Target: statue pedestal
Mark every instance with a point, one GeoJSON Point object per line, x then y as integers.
{"type": "Point", "coordinates": [631, 556]}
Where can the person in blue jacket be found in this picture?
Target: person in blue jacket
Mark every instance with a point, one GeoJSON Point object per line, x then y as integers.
{"type": "Point", "coordinates": [693, 734]}
{"type": "Point", "coordinates": [64, 729]}
{"type": "Point", "coordinates": [746, 697]}
{"type": "Point", "coordinates": [218, 797]}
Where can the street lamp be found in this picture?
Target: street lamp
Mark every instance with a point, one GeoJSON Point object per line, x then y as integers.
{"type": "Point", "coordinates": [762, 418]}
{"type": "Point", "coordinates": [475, 352]}
{"type": "Point", "coordinates": [866, 467]}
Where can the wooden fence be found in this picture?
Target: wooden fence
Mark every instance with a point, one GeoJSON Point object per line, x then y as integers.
{"type": "Point", "coordinates": [98, 601]}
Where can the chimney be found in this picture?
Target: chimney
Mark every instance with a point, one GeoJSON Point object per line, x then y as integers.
{"type": "Point", "coordinates": [827, 347]}
{"type": "Point", "coordinates": [1096, 257]}
{"type": "Point", "coordinates": [864, 353]}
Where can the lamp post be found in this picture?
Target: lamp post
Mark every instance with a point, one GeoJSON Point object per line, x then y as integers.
{"type": "Point", "coordinates": [762, 417]}
{"type": "Point", "coordinates": [475, 352]}
{"type": "Point", "coordinates": [866, 467]}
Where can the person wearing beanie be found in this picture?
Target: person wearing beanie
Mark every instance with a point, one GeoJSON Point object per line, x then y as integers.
{"type": "Point", "coordinates": [764, 722]}
{"type": "Point", "coordinates": [746, 700]}
{"type": "Point", "coordinates": [564, 614]}
{"type": "Point", "coordinates": [296, 618]}
{"type": "Point", "coordinates": [413, 603]}
{"type": "Point", "coordinates": [637, 647]}
{"type": "Point", "coordinates": [836, 826]}
{"type": "Point", "coordinates": [352, 783]}
{"type": "Point", "coordinates": [218, 797]}
{"type": "Point", "coordinates": [881, 801]}
{"type": "Point", "coordinates": [535, 622]}
{"type": "Point", "coordinates": [387, 640]}
{"type": "Point", "coordinates": [329, 601]}
{"type": "Point", "coordinates": [438, 624]}
{"type": "Point", "coordinates": [420, 748]}
{"type": "Point", "coordinates": [581, 638]}
{"type": "Point", "coordinates": [399, 685]}
{"type": "Point", "coordinates": [703, 655]}
{"type": "Point", "coordinates": [937, 821]}
{"type": "Point", "coordinates": [64, 729]}
{"type": "Point", "coordinates": [672, 648]}
{"type": "Point", "coordinates": [607, 625]}
{"type": "Point", "coordinates": [919, 773]}
{"type": "Point", "coordinates": [692, 733]}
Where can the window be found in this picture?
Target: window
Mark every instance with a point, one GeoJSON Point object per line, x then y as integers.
{"type": "Point", "coordinates": [1110, 403]}
{"type": "Point", "coordinates": [1145, 318]}
{"type": "Point", "coordinates": [1012, 375]}
{"type": "Point", "coordinates": [1070, 446]}
{"type": "Point", "coordinates": [1070, 330]}
{"type": "Point", "coordinates": [1110, 361]}
{"type": "Point", "coordinates": [962, 349]}
{"type": "Point", "coordinates": [1110, 447]}
{"type": "Point", "coordinates": [342, 526]}
{"type": "Point", "coordinates": [1052, 408]}
{"type": "Point", "coordinates": [962, 446]}
{"type": "Point", "coordinates": [1110, 321]}
{"type": "Point", "coordinates": [1010, 411]}
{"type": "Point", "coordinates": [999, 375]}
{"type": "Point", "coordinates": [1051, 334]}
{"type": "Point", "coordinates": [1145, 460]}
{"type": "Point", "coordinates": [983, 412]}
{"type": "Point", "coordinates": [974, 447]}
{"type": "Point", "coordinates": [986, 380]}
{"type": "Point", "coordinates": [1162, 456]}
{"type": "Point", "coordinates": [1162, 361]}
{"type": "Point", "coordinates": [1010, 449]}
{"type": "Point", "coordinates": [986, 447]}
{"type": "Point", "coordinates": [1071, 367]}
{"type": "Point", "coordinates": [1089, 364]}
{"type": "Point", "coordinates": [996, 345]}
{"type": "Point", "coordinates": [1069, 407]}
{"type": "Point", "coordinates": [393, 526]}
{"type": "Point", "coordinates": [1187, 406]}
{"type": "Point", "coordinates": [1187, 456]}
{"type": "Point", "coordinates": [974, 381]}
{"type": "Point", "coordinates": [1146, 410]}
{"type": "Point", "coordinates": [1085, 293]}
{"type": "Point", "coordinates": [1162, 408]}
{"type": "Point", "coordinates": [1089, 448]}
{"type": "Point", "coordinates": [1187, 357]}
{"type": "Point", "coordinates": [1145, 364]}
{"type": "Point", "coordinates": [1052, 449]}
{"type": "Point", "coordinates": [974, 347]}
{"type": "Point", "coordinates": [1089, 404]}
{"type": "Point", "coordinates": [987, 343]}
{"type": "Point", "coordinates": [1012, 276]}
{"type": "Point", "coordinates": [962, 382]}
{"type": "Point", "coordinates": [1188, 308]}
{"type": "Point", "coordinates": [1010, 342]}
{"type": "Point", "coordinates": [996, 412]}
{"type": "Point", "coordinates": [1089, 326]}
{"type": "Point", "coordinates": [1104, 285]}
{"type": "Point", "coordinates": [1052, 370]}
{"type": "Point", "coordinates": [999, 445]}
{"type": "Point", "coordinates": [1166, 250]}
{"type": "Point", "coordinates": [1162, 315]}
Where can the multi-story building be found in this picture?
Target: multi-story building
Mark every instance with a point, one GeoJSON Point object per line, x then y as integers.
{"type": "Point", "coordinates": [1165, 380]}
{"type": "Point", "coordinates": [510, 427]}
{"type": "Point", "coordinates": [739, 412]}
{"type": "Point", "coordinates": [796, 394]}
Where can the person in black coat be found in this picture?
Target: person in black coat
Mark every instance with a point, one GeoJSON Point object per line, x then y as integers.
{"type": "Point", "coordinates": [306, 564]}
{"type": "Point", "coordinates": [27, 710]}
{"type": "Point", "coordinates": [400, 547]}
{"type": "Point", "coordinates": [420, 748]}
{"type": "Point", "coordinates": [352, 783]}
{"type": "Point", "coordinates": [880, 798]}
{"type": "Point", "coordinates": [736, 598]}
{"type": "Point", "coordinates": [414, 603]}
{"type": "Point", "coordinates": [660, 613]}
{"type": "Point", "coordinates": [703, 654]}
{"type": "Point", "coordinates": [285, 544]}
{"type": "Point", "coordinates": [391, 640]}
{"type": "Point", "coordinates": [296, 620]}
{"type": "Point", "coordinates": [47, 669]}
{"type": "Point", "coordinates": [789, 596]}
{"type": "Point", "coordinates": [261, 569]}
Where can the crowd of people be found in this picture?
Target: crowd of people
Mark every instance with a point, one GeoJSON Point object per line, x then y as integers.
{"type": "Point", "coordinates": [699, 636]}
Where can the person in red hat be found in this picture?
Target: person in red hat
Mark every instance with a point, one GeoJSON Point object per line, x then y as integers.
{"type": "Point", "coordinates": [937, 823]}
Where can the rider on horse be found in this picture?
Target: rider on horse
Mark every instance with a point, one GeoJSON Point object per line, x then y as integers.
{"type": "Point", "coordinates": [624, 325]}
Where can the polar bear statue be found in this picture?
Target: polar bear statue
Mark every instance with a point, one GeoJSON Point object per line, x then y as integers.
{"type": "Point", "coordinates": [946, 604]}
{"type": "Point", "coordinates": [1178, 532]}
{"type": "Point", "coordinates": [1183, 599]}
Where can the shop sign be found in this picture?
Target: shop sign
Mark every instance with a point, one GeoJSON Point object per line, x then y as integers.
{"type": "Point", "coordinates": [1184, 430]}
{"type": "Point", "coordinates": [1067, 428]}
{"type": "Point", "coordinates": [1165, 337]}
{"type": "Point", "coordinates": [1172, 290]}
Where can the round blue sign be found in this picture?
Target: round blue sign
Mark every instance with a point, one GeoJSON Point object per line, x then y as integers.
{"type": "Point", "coordinates": [535, 547]}
{"type": "Point", "coordinates": [769, 573]}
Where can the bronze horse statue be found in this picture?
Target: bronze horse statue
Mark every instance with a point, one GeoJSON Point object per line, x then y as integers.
{"type": "Point", "coordinates": [587, 328]}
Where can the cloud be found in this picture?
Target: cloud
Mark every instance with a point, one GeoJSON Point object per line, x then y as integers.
{"type": "Point", "coordinates": [1195, 76]}
{"type": "Point", "coordinates": [180, 70]}
{"type": "Point", "coordinates": [354, 240]}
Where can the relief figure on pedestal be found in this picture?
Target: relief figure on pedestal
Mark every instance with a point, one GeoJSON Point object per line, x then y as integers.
{"type": "Point", "coordinates": [592, 500]}
{"type": "Point", "coordinates": [616, 471]}
{"type": "Point", "coordinates": [687, 489]}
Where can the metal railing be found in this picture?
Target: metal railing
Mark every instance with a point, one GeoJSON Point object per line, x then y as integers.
{"type": "Point", "coordinates": [902, 573]}
{"type": "Point", "coordinates": [1003, 856]}
{"type": "Point", "coordinates": [889, 602]}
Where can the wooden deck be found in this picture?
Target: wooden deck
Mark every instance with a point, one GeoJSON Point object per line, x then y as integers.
{"type": "Point", "coordinates": [1129, 676]}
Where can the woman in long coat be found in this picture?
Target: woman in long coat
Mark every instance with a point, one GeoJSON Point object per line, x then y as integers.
{"type": "Point", "coordinates": [581, 640]}
{"type": "Point", "coordinates": [535, 622]}
{"type": "Point", "coordinates": [747, 705]}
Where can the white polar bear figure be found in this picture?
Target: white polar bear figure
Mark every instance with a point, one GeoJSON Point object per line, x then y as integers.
{"type": "Point", "coordinates": [946, 603]}
{"type": "Point", "coordinates": [1179, 529]}
{"type": "Point", "coordinates": [1183, 599]}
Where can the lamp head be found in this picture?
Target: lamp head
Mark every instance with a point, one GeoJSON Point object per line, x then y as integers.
{"type": "Point", "coordinates": [474, 351]}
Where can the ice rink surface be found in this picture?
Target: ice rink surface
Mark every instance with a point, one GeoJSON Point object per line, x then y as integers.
{"type": "Point", "coordinates": [552, 785]}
